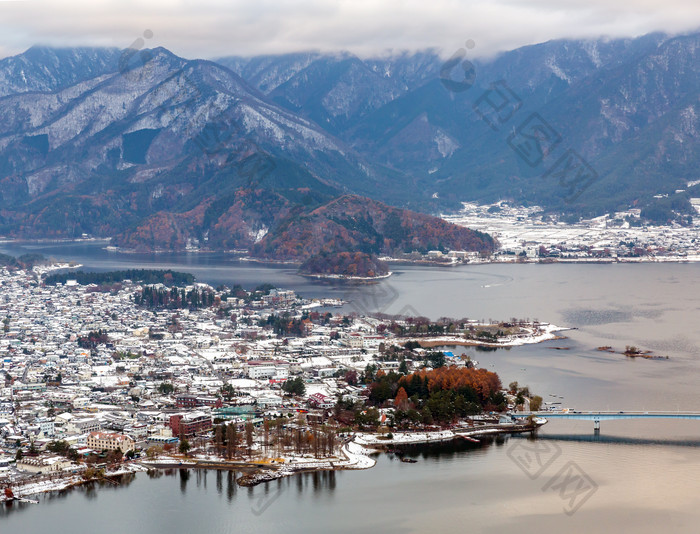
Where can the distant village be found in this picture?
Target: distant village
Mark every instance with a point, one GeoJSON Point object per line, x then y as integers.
{"type": "Point", "coordinates": [96, 375]}
{"type": "Point", "coordinates": [526, 234]}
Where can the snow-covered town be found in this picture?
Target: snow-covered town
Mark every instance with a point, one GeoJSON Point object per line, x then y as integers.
{"type": "Point", "coordinates": [526, 235]}
{"type": "Point", "coordinates": [117, 376]}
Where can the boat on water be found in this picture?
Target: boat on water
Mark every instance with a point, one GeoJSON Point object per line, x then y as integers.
{"type": "Point", "coordinates": [408, 460]}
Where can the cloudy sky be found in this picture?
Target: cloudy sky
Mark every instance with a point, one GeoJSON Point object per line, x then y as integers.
{"type": "Point", "coordinates": [211, 28]}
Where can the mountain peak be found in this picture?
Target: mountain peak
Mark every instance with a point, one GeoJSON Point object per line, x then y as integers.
{"type": "Point", "coordinates": [43, 68]}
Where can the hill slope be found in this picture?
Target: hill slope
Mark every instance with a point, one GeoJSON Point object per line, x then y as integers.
{"type": "Point", "coordinates": [166, 152]}
{"type": "Point", "coordinates": [628, 107]}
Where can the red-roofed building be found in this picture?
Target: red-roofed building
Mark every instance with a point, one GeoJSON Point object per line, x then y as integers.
{"type": "Point", "coordinates": [318, 400]}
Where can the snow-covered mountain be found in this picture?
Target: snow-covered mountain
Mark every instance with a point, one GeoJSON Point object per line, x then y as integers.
{"type": "Point", "coordinates": [627, 109]}
{"type": "Point", "coordinates": [147, 137]}
{"type": "Point", "coordinates": [104, 141]}
{"type": "Point", "coordinates": [49, 69]}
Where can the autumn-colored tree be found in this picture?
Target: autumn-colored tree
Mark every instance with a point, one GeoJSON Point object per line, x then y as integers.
{"type": "Point", "coordinates": [535, 403]}
{"type": "Point", "coordinates": [114, 457]}
{"type": "Point", "coordinates": [484, 383]}
{"type": "Point", "coordinates": [401, 401]}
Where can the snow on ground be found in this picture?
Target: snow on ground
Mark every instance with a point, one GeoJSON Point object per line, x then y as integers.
{"type": "Point", "coordinates": [44, 486]}
{"type": "Point", "coordinates": [402, 438]}
{"type": "Point", "coordinates": [243, 383]}
{"type": "Point", "coordinates": [44, 269]}
{"type": "Point", "coordinates": [405, 438]}
{"type": "Point", "coordinates": [315, 362]}
{"type": "Point", "coordinates": [323, 389]}
{"type": "Point", "coordinates": [548, 332]}
{"type": "Point", "coordinates": [358, 456]}
{"type": "Point", "coordinates": [169, 460]}
{"type": "Point", "coordinates": [357, 362]}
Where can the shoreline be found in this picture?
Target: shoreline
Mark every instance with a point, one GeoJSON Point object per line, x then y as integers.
{"type": "Point", "coordinates": [548, 334]}
{"type": "Point", "coordinates": [347, 277]}
{"type": "Point", "coordinates": [354, 454]}
{"type": "Point", "coordinates": [242, 256]}
{"type": "Point", "coordinates": [63, 483]}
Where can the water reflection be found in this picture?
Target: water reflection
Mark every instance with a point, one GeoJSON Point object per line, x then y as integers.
{"type": "Point", "coordinates": [324, 500]}
{"type": "Point", "coordinates": [13, 507]}
{"type": "Point", "coordinates": [88, 490]}
{"type": "Point", "coordinates": [504, 499]}
{"type": "Point", "coordinates": [230, 485]}
{"type": "Point", "coordinates": [446, 449]}
{"type": "Point", "coordinates": [184, 479]}
{"type": "Point", "coordinates": [620, 440]}
{"type": "Point", "coordinates": [480, 348]}
{"type": "Point", "coordinates": [315, 483]}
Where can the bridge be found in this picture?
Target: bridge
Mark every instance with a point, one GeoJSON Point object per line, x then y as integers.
{"type": "Point", "coordinates": [597, 417]}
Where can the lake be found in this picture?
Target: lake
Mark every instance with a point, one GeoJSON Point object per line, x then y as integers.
{"type": "Point", "coordinates": [638, 476]}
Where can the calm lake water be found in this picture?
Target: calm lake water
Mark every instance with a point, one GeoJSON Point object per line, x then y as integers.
{"type": "Point", "coordinates": [636, 476]}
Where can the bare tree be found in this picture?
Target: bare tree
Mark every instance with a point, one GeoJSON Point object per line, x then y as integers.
{"type": "Point", "coordinates": [232, 438]}
{"type": "Point", "coordinates": [249, 430]}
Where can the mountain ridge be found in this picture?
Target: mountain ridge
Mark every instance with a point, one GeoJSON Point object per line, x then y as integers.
{"type": "Point", "coordinates": [124, 144]}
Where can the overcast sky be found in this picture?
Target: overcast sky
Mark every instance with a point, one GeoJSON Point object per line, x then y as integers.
{"type": "Point", "coordinates": [210, 28]}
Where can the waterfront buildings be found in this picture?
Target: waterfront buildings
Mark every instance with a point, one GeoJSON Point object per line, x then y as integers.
{"type": "Point", "coordinates": [110, 441]}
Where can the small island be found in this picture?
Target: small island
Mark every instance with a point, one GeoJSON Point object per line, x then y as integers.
{"type": "Point", "coordinates": [633, 352]}
{"type": "Point", "coordinates": [345, 265]}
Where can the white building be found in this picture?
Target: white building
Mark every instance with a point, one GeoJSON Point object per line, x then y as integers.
{"type": "Point", "coordinates": [51, 464]}
{"type": "Point", "coordinates": [109, 441]}
{"type": "Point", "coordinates": [354, 341]}
{"type": "Point", "coordinates": [258, 372]}
{"type": "Point", "coordinates": [81, 426]}
{"type": "Point", "coordinates": [47, 427]}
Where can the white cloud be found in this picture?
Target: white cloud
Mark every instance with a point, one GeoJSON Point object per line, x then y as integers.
{"type": "Point", "coordinates": [209, 28]}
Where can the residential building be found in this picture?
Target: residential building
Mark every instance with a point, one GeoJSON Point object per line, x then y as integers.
{"type": "Point", "coordinates": [190, 424]}
{"type": "Point", "coordinates": [109, 441]}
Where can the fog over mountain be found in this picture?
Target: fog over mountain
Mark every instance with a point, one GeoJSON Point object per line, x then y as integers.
{"type": "Point", "coordinates": [166, 149]}
{"type": "Point", "coordinates": [213, 28]}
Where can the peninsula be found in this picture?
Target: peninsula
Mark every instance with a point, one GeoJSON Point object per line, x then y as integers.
{"type": "Point", "coordinates": [109, 373]}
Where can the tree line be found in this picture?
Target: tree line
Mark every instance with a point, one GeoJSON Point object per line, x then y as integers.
{"type": "Point", "coordinates": [277, 437]}
{"type": "Point", "coordinates": [438, 395]}
{"type": "Point", "coordinates": [145, 276]}
{"type": "Point", "coordinates": [175, 298]}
